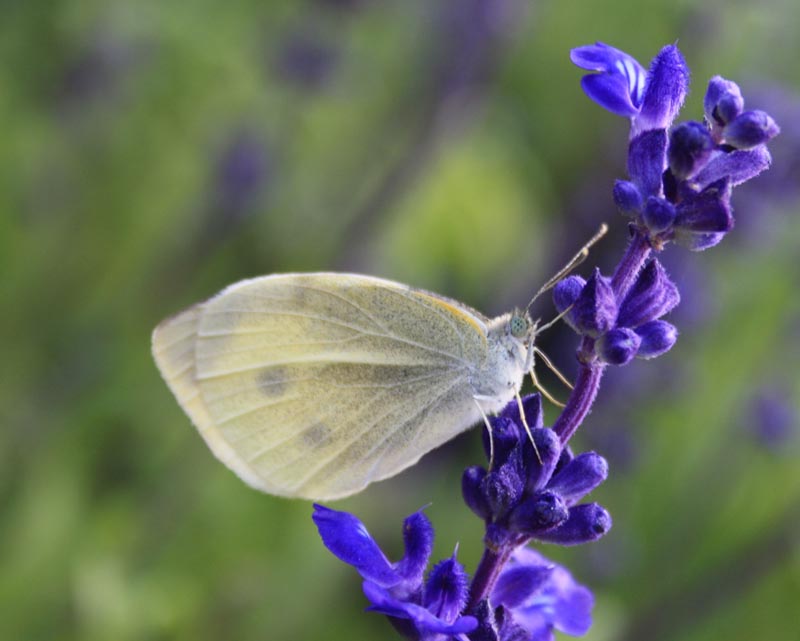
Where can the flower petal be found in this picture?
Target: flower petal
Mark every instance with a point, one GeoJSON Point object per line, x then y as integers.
{"type": "Point", "coordinates": [573, 607]}
{"type": "Point", "coordinates": [472, 491]}
{"type": "Point", "coordinates": [418, 539]}
{"type": "Point", "coordinates": [425, 622]}
{"type": "Point", "coordinates": [690, 145]}
{"type": "Point", "coordinates": [627, 197]}
{"type": "Point", "coordinates": [750, 129]}
{"type": "Point", "coordinates": [579, 477]}
{"type": "Point", "coordinates": [446, 589]}
{"type": "Point", "coordinates": [558, 602]}
{"type": "Point", "coordinates": [587, 522]}
{"type": "Point", "coordinates": [348, 539]}
{"type": "Point", "coordinates": [658, 214]}
{"type": "Point", "coordinates": [517, 583]}
{"type": "Point", "coordinates": [505, 437]}
{"type": "Point", "coordinates": [647, 159]}
{"type": "Point", "coordinates": [541, 462]}
{"type": "Point", "coordinates": [652, 295]}
{"type": "Point", "coordinates": [504, 485]}
{"type": "Point", "coordinates": [666, 89]}
{"type": "Point", "coordinates": [739, 166]}
{"type": "Point", "coordinates": [658, 337]}
{"type": "Point", "coordinates": [610, 92]}
{"type": "Point", "coordinates": [565, 293]}
{"type": "Point", "coordinates": [595, 309]}
{"type": "Point", "coordinates": [618, 346]}
{"type": "Point", "coordinates": [723, 101]}
{"type": "Point", "coordinates": [538, 513]}
{"type": "Point", "coordinates": [619, 87]}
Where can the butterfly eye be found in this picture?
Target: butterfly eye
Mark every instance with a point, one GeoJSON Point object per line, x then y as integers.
{"type": "Point", "coordinates": [518, 326]}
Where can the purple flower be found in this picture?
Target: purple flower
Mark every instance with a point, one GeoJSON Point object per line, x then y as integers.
{"type": "Point", "coordinates": [773, 419]}
{"type": "Point", "coordinates": [651, 98]}
{"type": "Point", "coordinates": [533, 493]}
{"type": "Point", "coordinates": [619, 87]}
{"type": "Point", "coordinates": [681, 179]}
{"type": "Point", "coordinates": [306, 61]}
{"type": "Point", "coordinates": [629, 328]}
{"type": "Point", "coordinates": [422, 610]}
{"type": "Point", "coordinates": [242, 175]}
{"type": "Point", "coordinates": [723, 101]}
{"type": "Point", "coordinates": [540, 596]}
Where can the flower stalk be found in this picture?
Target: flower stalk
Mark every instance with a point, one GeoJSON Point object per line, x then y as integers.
{"type": "Point", "coordinates": [679, 189]}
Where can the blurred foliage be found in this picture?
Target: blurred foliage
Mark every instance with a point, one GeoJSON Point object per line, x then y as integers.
{"type": "Point", "coordinates": [154, 152]}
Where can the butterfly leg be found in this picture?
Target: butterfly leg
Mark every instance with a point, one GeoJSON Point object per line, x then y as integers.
{"type": "Point", "coordinates": [544, 392]}
{"type": "Point", "coordinates": [489, 430]}
{"type": "Point", "coordinates": [552, 367]}
{"type": "Point", "coordinates": [527, 427]}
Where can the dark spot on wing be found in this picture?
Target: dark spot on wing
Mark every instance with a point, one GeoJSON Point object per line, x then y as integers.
{"type": "Point", "coordinates": [316, 436]}
{"type": "Point", "coordinates": [272, 381]}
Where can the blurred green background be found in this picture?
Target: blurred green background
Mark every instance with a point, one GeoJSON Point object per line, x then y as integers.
{"type": "Point", "coordinates": [153, 152]}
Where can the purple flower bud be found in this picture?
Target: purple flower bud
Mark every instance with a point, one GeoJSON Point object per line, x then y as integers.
{"type": "Point", "coordinates": [658, 215]}
{"type": "Point", "coordinates": [541, 511]}
{"type": "Point", "coordinates": [773, 419]}
{"type": "Point", "coordinates": [664, 93]}
{"type": "Point", "coordinates": [738, 166]}
{"type": "Point", "coordinates": [566, 292]}
{"type": "Point", "coordinates": [750, 129]}
{"type": "Point", "coordinates": [306, 61]}
{"type": "Point", "coordinates": [657, 337]}
{"type": "Point", "coordinates": [505, 437]}
{"type": "Point", "coordinates": [627, 197]}
{"type": "Point", "coordinates": [647, 159]}
{"type": "Point", "coordinates": [548, 445]}
{"type": "Point", "coordinates": [579, 477]}
{"type": "Point", "coordinates": [620, 84]}
{"type": "Point", "coordinates": [690, 145]}
{"type": "Point", "coordinates": [595, 309]}
{"type": "Point", "coordinates": [723, 101]}
{"type": "Point", "coordinates": [652, 295]}
{"type": "Point", "coordinates": [702, 217]}
{"type": "Point", "coordinates": [618, 346]}
{"type": "Point", "coordinates": [446, 590]}
{"type": "Point", "coordinates": [472, 491]}
{"type": "Point", "coordinates": [587, 522]}
{"type": "Point", "coordinates": [532, 406]}
{"type": "Point", "coordinates": [503, 486]}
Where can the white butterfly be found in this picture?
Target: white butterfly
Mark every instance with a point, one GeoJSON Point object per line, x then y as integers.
{"type": "Point", "coordinates": [315, 385]}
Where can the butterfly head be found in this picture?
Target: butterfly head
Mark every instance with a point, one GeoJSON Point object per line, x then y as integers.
{"type": "Point", "coordinates": [521, 327]}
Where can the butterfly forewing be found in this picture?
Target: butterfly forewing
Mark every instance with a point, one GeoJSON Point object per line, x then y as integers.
{"type": "Point", "coordinates": [315, 385]}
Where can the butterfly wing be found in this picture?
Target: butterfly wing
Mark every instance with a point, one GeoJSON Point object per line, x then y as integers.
{"type": "Point", "coordinates": [314, 385]}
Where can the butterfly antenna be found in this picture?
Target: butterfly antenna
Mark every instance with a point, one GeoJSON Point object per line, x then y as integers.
{"type": "Point", "coordinates": [527, 428]}
{"type": "Point", "coordinates": [548, 325]}
{"type": "Point", "coordinates": [576, 260]}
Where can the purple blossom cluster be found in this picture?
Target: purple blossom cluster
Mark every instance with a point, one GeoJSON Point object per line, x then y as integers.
{"type": "Point", "coordinates": [678, 190]}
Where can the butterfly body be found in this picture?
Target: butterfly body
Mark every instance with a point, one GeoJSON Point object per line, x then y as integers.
{"type": "Point", "coordinates": [315, 385]}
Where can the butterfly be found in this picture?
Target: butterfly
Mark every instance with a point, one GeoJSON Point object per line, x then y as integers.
{"type": "Point", "coordinates": [315, 385]}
